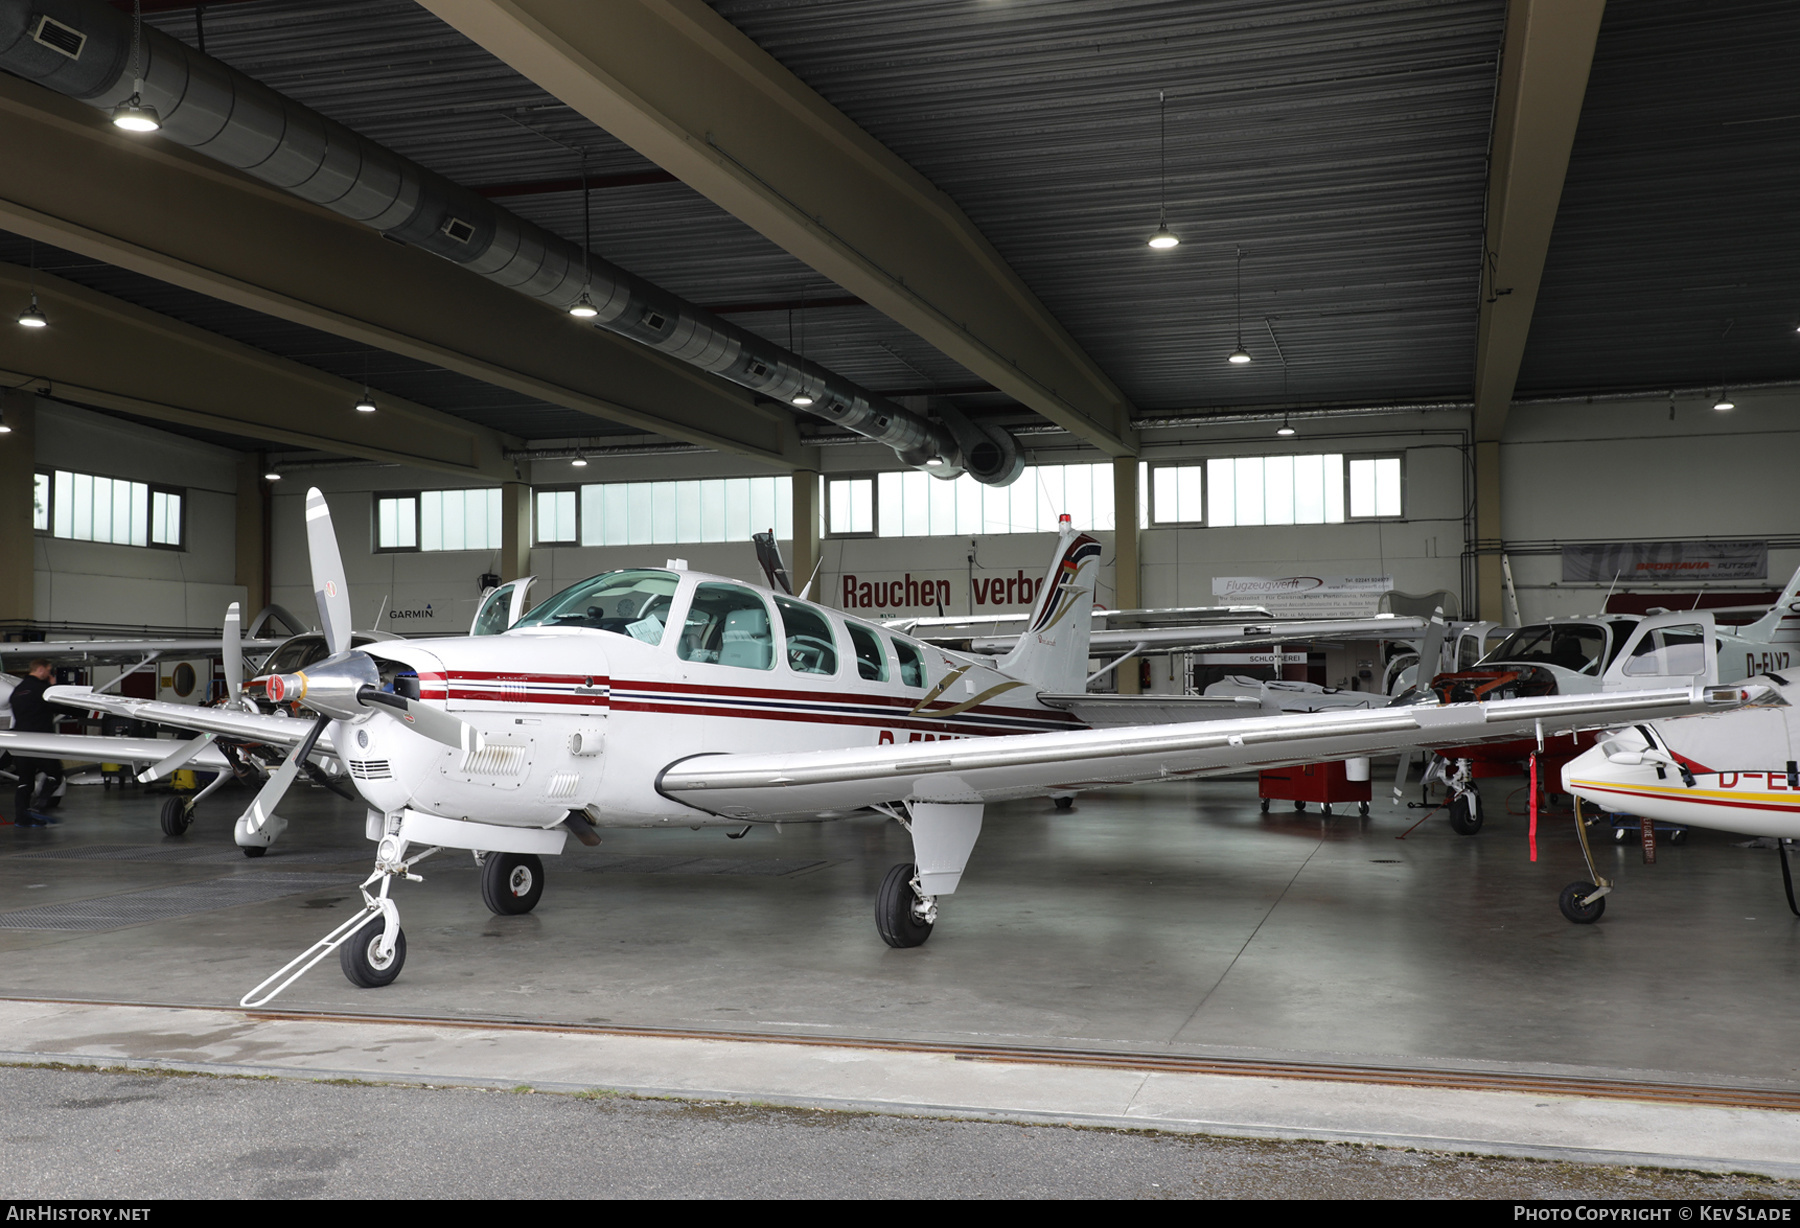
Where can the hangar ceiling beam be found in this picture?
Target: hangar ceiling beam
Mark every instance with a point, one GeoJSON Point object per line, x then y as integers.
{"type": "Point", "coordinates": [686, 89]}
{"type": "Point", "coordinates": [1548, 49]}
{"type": "Point", "coordinates": [105, 352]}
{"type": "Point", "coordinates": [1545, 56]}
{"type": "Point", "coordinates": [155, 208]}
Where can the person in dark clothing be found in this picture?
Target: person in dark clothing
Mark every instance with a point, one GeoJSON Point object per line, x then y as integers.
{"type": "Point", "coordinates": [32, 713]}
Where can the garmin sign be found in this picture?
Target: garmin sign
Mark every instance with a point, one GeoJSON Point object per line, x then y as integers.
{"type": "Point", "coordinates": [402, 615]}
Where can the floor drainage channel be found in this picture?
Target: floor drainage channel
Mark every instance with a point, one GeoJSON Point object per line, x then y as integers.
{"type": "Point", "coordinates": [1520, 1082]}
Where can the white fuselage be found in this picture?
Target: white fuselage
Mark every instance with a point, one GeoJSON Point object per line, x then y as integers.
{"type": "Point", "coordinates": [577, 718]}
{"type": "Point", "coordinates": [1741, 763]}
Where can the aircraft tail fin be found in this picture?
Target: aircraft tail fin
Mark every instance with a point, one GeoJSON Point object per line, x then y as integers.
{"type": "Point", "coordinates": [1781, 625]}
{"type": "Point", "coordinates": [1052, 652]}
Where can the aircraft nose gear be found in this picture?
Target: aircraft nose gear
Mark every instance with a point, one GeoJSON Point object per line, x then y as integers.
{"type": "Point", "coordinates": [1583, 902]}
{"type": "Point", "coordinates": [1465, 806]}
{"type": "Point", "coordinates": [374, 947]}
{"type": "Point", "coordinates": [903, 913]}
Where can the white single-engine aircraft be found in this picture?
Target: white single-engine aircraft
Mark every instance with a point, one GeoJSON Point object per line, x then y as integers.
{"type": "Point", "coordinates": [1734, 771]}
{"type": "Point", "coordinates": [663, 697]}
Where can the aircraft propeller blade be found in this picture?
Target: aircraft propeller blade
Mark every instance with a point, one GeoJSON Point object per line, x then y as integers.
{"type": "Point", "coordinates": [270, 795]}
{"type": "Point", "coordinates": [433, 723]}
{"type": "Point", "coordinates": [329, 588]}
{"type": "Point", "coordinates": [233, 653]}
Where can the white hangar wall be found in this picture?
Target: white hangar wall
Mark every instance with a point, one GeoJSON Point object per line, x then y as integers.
{"type": "Point", "coordinates": [1627, 471]}
{"type": "Point", "coordinates": [1570, 473]}
{"type": "Point", "coordinates": [94, 584]}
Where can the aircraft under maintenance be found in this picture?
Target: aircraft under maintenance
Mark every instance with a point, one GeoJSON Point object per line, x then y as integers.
{"type": "Point", "coordinates": [1599, 654]}
{"type": "Point", "coordinates": [668, 698]}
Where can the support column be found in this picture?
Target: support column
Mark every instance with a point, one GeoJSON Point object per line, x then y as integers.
{"type": "Point", "coordinates": [18, 542]}
{"type": "Point", "coordinates": [804, 559]}
{"type": "Point", "coordinates": [1127, 589]}
{"type": "Point", "coordinates": [252, 534]}
{"type": "Point", "coordinates": [515, 530]}
{"type": "Point", "coordinates": [1490, 600]}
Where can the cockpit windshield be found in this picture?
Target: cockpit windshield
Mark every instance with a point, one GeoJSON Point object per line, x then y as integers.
{"type": "Point", "coordinates": [1580, 647]}
{"type": "Point", "coordinates": [634, 603]}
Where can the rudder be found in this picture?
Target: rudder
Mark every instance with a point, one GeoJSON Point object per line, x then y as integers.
{"type": "Point", "coordinates": [1052, 652]}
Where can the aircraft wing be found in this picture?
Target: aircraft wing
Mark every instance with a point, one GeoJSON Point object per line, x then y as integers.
{"type": "Point", "coordinates": [110, 652]}
{"type": "Point", "coordinates": [1028, 765]}
{"type": "Point", "coordinates": [81, 748]}
{"type": "Point", "coordinates": [226, 722]}
{"type": "Point", "coordinates": [1228, 635]}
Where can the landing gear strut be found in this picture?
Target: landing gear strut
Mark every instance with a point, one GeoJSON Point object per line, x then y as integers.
{"type": "Point", "coordinates": [1583, 903]}
{"type": "Point", "coordinates": [1465, 804]}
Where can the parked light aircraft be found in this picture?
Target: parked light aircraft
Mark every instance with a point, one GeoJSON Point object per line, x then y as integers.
{"type": "Point", "coordinates": [1736, 771]}
{"type": "Point", "coordinates": [663, 697]}
{"type": "Point", "coordinates": [1600, 654]}
{"type": "Point", "coordinates": [228, 757]}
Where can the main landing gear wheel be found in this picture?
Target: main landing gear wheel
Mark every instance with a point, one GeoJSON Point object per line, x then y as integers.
{"type": "Point", "coordinates": [255, 850]}
{"type": "Point", "coordinates": [1572, 907]}
{"type": "Point", "coordinates": [361, 959]}
{"type": "Point", "coordinates": [903, 919]}
{"type": "Point", "coordinates": [1064, 803]}
{"type": "Point", "coordinates": [511, 883]}
{"type": "Point", "coordinates": [1465, 815]}
{"type": "Point", "coordinates": [176, 816]}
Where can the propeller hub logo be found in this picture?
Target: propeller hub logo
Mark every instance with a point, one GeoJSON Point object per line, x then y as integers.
{"type": "Point", "coordinates": [331, 588]}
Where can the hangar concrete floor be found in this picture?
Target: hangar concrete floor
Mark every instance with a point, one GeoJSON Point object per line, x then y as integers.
{"type": "Point", "coordinates": [1173, 919]}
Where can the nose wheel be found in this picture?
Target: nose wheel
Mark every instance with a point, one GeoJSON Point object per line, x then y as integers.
{"type": "Point", "coordinates": [366, 964]}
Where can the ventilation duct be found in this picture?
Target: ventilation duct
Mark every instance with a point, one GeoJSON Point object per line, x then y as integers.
{"type": "Point", "coordinates": [216, 110]}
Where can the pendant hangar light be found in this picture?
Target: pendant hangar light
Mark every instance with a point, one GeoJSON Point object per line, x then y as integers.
{"type": "Point", "coordinates": [33, 316]}
{"type": "Point", "coordinates": [1164, 238]}
{"type": "Point", "coordinates": [4, 429]}
{"type": "Point", "coordinates": [366, 404]}
{"type": "Point", "coordinates": [1240, 355]}
{"type": "Point", "coordinates": [580, 461]}
{"type": "Point", "coordinates": [583, 308]}
{"type": "Point", "coordinates": [134, 114]}
{"type": "Point", "coordinates": [1724, 402]}
{"type": "Point", "coordinates": [802, 398]}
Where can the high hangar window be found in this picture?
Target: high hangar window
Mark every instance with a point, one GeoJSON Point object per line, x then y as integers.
{"type": "Point", "coordinates": [1239, 491]}
{"type": "Point", "coordinates": [658, 513]}
{"type": "Point", "coordinates": [915, 504]}
{"type": "Point", "coordinates": [88, 508]}
{"type": "Point", "coordinates": [438, 520]}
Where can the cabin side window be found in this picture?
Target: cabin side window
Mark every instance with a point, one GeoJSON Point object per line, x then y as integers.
{"type": "Point", "coordinates": [728, 625]}
{"type": "Point", "coordinates": [871, 662]}
{"type": "Point", "coordinates": [810, 646]}
{"type": "Point", "coordinates": [912, 664]}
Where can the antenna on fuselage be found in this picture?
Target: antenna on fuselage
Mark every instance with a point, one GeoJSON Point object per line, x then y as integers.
{"type": "Point", "coordinates": [769, 555]}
